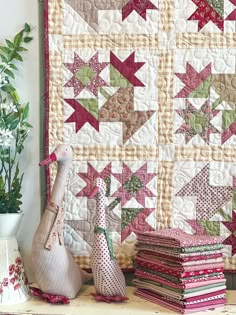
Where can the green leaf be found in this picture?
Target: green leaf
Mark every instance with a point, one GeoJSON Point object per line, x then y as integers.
{"type": "Point", "coordinates": [18, 38]}
{"type": "Point", "coordinates": [22, 49]}
{"type": "Point", "coordinates": [10, 118]}
{"type": "Point", "coordinates": [5, 152]}
{"type": "Point", "coordinates": [25, 111]}
{"type": "Point", "coordinates": [28, 39]}
{"type": "Point", "coordinates": [10, 73]}
{"type": "Point", "coordinates": [5, 49]}
{"type": "Point", "coordinates": [9, 43]}
{"type": "Point", "coordinates": [4, 59]}
{"type": "Point", "coordinates": [15, 96]}
{"type": "Point", "coordinates": [16, 173]}
{"type": "Point", "coordinates": [11, 55]}
{"type": "Point", "coordinates": [19, 148]}
{"type": "Point", "coordinates": [18, 57]}
{"type": "Point", "coordinates": [27, 28]}
{"type": "Point", "coordinates": [28, 125]}
{"type": "Point", "coordinates": [13, 66]}
{"type": "Point", "coordinates": [8, 88]}
{"type": "Point", "coordinates": [1, 184]}
{"type": "Point", "coordinates": [14, 124]}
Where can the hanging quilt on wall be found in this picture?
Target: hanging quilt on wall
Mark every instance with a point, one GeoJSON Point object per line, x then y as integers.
{"type": "Point", "coordinates": [144, 92]}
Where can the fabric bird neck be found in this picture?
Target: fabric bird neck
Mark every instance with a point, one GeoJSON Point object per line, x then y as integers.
{"type": "Point", "coordinates": [100, 217]}
{"type": "Point", "coordinates": [60, 183]}
{"type": "Point", "coordinates": [63, 155]}
{"type": "Point", "coordinates": [99, 192]}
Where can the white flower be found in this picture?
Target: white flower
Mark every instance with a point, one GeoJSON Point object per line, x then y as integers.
{"type": "Point", "coordinates": [3, 81]}
{"type": "Point", "coordinates": [6, 142]}
{"type": "Point", "coordinates": [8, 107]}
{"type": "Point", "coordinates": [25, 129]}
{"type": "Point", "coordinates": [3, 106]}
{"type": "Point", "coordinates": [5, 137]}
{"type": "Point", "coordinates": [5, 66]}
{"type": "Point", "coordinates": [12, 108]}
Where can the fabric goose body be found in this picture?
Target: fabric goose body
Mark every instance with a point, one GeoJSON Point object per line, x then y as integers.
{"type": "Point", "coordinates": [55, 270]}
{"type": "Point", "coordinates": [109, 280]}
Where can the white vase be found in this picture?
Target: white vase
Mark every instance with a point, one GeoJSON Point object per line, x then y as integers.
{"type": "Point", "coordinates": [13, 280]}
{"type": "Point", "coordinates": [9, 224]}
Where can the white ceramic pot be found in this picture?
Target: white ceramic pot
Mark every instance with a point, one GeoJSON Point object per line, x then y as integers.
{"type": "Point", "coordinates": [13, 280]}
{"type": "Point", "coordinates": [9, 224]}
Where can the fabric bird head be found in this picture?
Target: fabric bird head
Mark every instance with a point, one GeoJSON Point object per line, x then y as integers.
{"type": "Point", "coordinates": [99, 186]}
{"type": "Point", "coordinates": [62, 153]}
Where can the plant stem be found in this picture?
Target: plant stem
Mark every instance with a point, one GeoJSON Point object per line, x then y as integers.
{"type": "Point", "coordinates": [1, 170]}
{"type": "Point", "coordinates": [6, 175]}
{"type": "Point", "coordinates": [1, 97]}
{"type": "Point", "coordinates": [10, 168]}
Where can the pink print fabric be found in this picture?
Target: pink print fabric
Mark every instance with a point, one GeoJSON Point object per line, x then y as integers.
{"type": "Point", "coordinates": [197, 307]}
{"type": "Point", "coordinates": [202, 282]}
{"type": "Point", "coordinates": [184, 259]}
{"type": "Point", "coordinates": [177, 238]}
{"type": "Point", "coordinates": [177, 253]}
{"type": "Point", "coordinates": [194, 270]}
{"type": "Point", "coordinates": [180, 271]}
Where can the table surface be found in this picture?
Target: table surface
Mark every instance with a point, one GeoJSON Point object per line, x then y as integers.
{"type": "Point", "coordinates": [84, 304]}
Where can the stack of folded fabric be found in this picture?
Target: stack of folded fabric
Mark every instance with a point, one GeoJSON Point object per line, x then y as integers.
{"type": "Point", "coordinates": [180, 271]}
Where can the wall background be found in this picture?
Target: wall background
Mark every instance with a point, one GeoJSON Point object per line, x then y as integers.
{"type": "Point", "coordinates": [13, 15]}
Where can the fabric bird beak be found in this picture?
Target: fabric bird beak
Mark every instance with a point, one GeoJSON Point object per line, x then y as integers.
{"type": "Point", "coordinates": [51, 158]}
{"type": "Point", "coordinates": [94, 192]}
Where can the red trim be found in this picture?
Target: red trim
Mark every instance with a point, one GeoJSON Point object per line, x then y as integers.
{"type": "Point", "coordinates": [51, 158]}
{"type": "Point", "coordinates": [46, 60]}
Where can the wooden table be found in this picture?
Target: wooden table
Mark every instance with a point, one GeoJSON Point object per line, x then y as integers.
{"type": "Point", "coordinates": [84, 304]}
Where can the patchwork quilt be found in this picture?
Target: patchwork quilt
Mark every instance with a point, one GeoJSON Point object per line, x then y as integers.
{"type": "Point", "coordinates": [145, 93]}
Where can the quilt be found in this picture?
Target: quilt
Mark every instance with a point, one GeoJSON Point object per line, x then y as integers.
{"type": "Point", "coordinates": [145, 93]}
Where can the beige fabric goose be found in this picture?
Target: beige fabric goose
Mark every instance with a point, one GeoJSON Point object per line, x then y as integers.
{"type": "Point", "coordinates": [55, 269]}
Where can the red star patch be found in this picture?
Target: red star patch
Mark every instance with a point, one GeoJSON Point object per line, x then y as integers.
{"type": "Point", "coordinates": [231, 239]}
{"type": "Point", "coordinates": [133, 185]}
{"type": "Point", "coordinates": [206, 13]}
{"type": "Point", "coordinates": [140, 6]}
{"type": "Point", "coordinates": [90, 176]}
{"type": "Point", "coordinates": [86, 74]}
{"type": "Point", "coordinates": [127, 68]}
{"type": "Point", "coordinates": [192, 79]}
{"type": "Point", "coordinates": [80, 116]}
{"type": "Point", "coordinates": [138, 224]}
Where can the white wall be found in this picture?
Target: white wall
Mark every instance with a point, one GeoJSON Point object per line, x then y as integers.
{"type": "Point", "coordinates": [13, 15]}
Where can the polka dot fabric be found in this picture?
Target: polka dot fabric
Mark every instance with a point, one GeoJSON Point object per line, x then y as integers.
{"type": "Point", "coordinates": [109, 280]}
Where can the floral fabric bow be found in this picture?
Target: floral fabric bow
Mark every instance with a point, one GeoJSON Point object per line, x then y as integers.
{"type": "Point", "coordinates": [57, 228]}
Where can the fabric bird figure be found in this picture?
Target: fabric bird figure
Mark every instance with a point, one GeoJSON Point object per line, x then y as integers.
{"type": "Point", "coordinates": [55, 270]}
{"type": "Point", "coordinates": [109, 280]}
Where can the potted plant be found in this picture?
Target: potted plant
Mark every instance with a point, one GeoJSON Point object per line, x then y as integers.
{"type": "Point", "coordinates": [14, 129]}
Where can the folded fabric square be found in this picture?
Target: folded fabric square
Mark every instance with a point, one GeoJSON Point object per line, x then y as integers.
{"type": "Point", "coordinates": [184, 309]}
{"type": "Point", "coordinates": [178, 238]}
